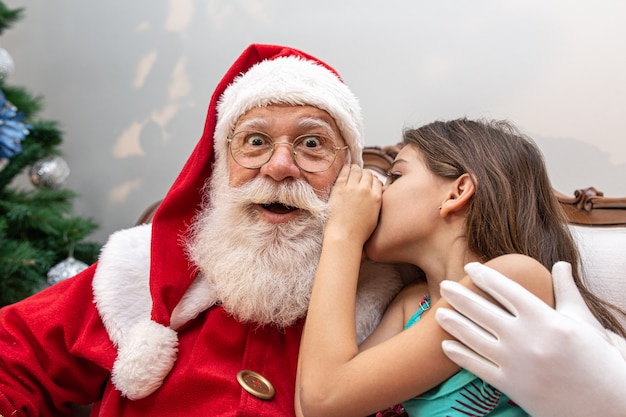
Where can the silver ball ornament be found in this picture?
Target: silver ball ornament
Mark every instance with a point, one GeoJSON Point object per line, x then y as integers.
{"type": "Point", "coordinates": [6, 64]}
{"type": "Point", "coordinates": [65, 269]}
{"type": "Point", "coordinates": [49, 172]}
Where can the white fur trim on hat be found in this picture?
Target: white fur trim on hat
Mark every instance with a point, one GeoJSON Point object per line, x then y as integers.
{"type": "Point", "coordinates": [146, 350]}
{"type": "Point", "coordinates": [296, 81]}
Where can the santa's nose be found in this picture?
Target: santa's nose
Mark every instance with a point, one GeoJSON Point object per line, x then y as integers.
{"type": "Point", "coordinates": [281, 165]}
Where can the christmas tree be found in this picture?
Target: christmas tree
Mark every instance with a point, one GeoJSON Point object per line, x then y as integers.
{"type": "Point", "coordinates": [41, 242]}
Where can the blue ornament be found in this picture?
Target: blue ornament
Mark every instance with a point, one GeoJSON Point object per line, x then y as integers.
{"type": "Point", "coordinates": [12, 130]}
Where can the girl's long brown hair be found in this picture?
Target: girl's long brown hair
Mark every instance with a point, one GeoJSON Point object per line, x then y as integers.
{"type": "Point", "coordinates": [514, 209]}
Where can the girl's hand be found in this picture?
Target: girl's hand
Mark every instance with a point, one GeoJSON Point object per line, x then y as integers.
{"type": "Point", "coordinates": [354, 204]}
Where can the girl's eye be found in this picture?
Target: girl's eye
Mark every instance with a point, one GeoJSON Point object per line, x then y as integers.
{"type": "Point", "coordinates": [392, 177]}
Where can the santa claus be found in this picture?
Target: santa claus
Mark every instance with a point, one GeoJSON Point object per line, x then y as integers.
{"type": "Point", "coordinates": [201, 312]}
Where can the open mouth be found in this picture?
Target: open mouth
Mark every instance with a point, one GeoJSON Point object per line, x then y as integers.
{"type": "Point", "coordinates": [278, 208]}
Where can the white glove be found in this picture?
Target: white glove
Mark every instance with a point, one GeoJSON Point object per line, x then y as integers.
{"type": "Point", "coordinates": [552, 363]}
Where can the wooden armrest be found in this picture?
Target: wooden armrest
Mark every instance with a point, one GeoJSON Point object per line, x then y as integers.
{"type": "Point", "coordinates": [148, 214]}
{"type": "Point", "coordinates": [589, 207]}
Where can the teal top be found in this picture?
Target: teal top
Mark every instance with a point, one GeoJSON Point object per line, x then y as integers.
{"type": "Point", "coordinates": [462, 395]}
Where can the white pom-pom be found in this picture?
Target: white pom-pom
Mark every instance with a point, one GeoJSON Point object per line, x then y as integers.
{"type": "Point", "coordinates": [144, 359]}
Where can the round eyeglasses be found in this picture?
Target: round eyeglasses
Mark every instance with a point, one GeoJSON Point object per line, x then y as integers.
{"type": "Point", "coordinates": [310, 152]}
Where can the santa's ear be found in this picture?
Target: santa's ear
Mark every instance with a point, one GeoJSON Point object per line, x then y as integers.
{"type": "Point", "coordinates": [459, 196]}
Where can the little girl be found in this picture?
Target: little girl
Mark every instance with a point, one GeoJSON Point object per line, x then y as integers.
{"type": "Point", "coordinates": [458, 192]}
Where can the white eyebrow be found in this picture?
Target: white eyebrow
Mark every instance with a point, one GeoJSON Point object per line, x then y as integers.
{"type": "Point", "coordinates": [263, 125]}
{"type": "Point", "coordinates": [256, 123]}
{"type": "Point", "coordinates": [315, 123]}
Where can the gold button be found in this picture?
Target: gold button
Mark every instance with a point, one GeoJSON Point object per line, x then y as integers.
{"type": "Point", "coordinates": [256, 384]}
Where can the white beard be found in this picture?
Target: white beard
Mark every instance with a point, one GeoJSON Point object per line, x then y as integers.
{"type": "Point", "coordinates": [261, 272]}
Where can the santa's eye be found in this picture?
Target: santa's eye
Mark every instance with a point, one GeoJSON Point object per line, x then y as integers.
{"type": "Point", "coordinates": [256, 140]}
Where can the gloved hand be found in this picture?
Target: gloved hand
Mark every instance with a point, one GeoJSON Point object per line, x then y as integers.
{"type": "Point", "coordinates": [552, 363]}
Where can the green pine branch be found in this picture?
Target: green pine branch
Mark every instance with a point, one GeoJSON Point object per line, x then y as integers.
{"type": "Point", "coordinates": [8, 16]}
{"type": "Point", "coordinates": [43, 216]}
{"type": "Point", "coordinates": [23, 100]}
{"type": "Point", "coordinates": [37, 231]}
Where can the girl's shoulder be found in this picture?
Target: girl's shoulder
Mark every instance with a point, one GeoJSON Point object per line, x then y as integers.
{"type": "Point", "coordinates": [526, 271]}
{"type": "Point", "coordinates": [517, 264]}
{"type": "Point", "coordinates": [410, 299]}
{"type": "Point", "coordinates": [412, 294]}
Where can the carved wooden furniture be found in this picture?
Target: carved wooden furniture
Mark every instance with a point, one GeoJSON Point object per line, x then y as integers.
{"type": "Point", "coordinates": [589, 207]}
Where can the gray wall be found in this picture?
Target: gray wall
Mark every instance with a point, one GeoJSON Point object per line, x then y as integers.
{"type": "Point", "coordinates": [130, 81]}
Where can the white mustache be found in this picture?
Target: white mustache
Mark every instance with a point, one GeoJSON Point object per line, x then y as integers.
{"type": "Point", "coordinates": [297, 193]}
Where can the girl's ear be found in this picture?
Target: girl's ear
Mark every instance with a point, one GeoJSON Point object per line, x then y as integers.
{"type": "Point", "coordinates": [460, 195]}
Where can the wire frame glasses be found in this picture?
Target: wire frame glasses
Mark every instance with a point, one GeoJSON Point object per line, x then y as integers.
{"type": "Point", "coordinates": [310, 152]}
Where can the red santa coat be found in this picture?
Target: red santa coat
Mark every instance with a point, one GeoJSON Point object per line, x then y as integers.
{"type": "Point", "coordinates": [73, 356]}
{"type": "Point", "coordinates": [139, 334]}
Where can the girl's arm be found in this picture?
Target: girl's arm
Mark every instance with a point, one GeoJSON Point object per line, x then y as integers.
{"type": "Point", "coordinates": [333, 377]}
{"type": "Point", "coordinates": [355, 203]}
